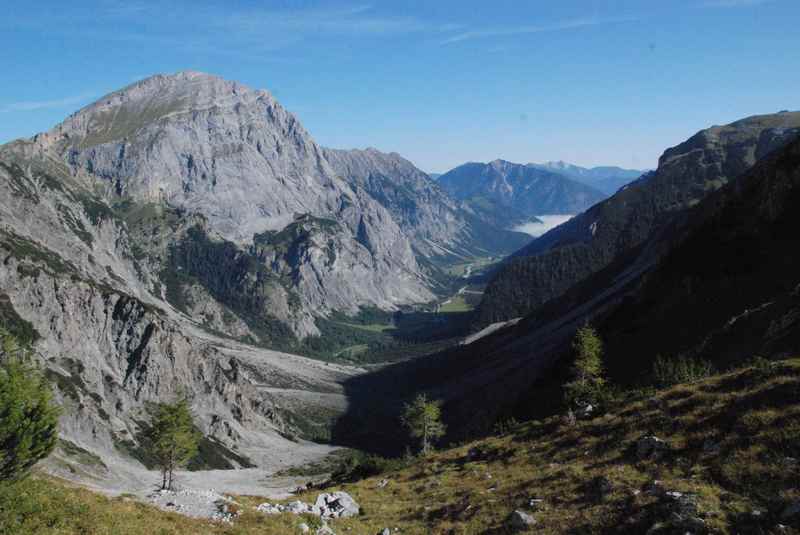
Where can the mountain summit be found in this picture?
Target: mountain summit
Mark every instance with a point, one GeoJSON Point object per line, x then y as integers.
{"type": "Point", "coordinates": [518, 191]}
{"type": "Point", "coordinates": [236, 157]}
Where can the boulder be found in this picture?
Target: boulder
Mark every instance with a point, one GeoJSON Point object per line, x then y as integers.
{"type": "Point", "coordinates": [336, 505]}
{"type": "Point", "coordinates": [327, 505]}
{"type": "Point", "coordinates": [270, 508]}
{"type": "Point", "coordinates": [651, 447]}
{"type": "Point", "coordinates": [682, 503]}
{"type": "Point", "coordinates": [681, 512]}
{"type": "Point", "coordinates": [520, 521]}
{"type": "Point", "coordinates": [297, 507]}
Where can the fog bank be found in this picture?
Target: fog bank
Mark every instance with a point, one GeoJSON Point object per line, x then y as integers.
{"type": "Point", "coordinates": [549, 222]}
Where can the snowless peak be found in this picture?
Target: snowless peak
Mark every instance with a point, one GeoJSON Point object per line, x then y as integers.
{"type": "Point", "coordinates": [499, 163]}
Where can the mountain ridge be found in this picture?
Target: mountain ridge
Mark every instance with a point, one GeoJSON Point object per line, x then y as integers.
{"type": "Point", "coordinates": [524, 189]}
{"type": "Point", "coordinates": [436, 222]}
{"type": "Point", "coordinates": [606, 178]}
{"type": "Point", "coordinates": [622, 223]}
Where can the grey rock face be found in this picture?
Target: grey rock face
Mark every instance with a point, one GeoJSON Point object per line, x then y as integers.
{"type": "Point", "coordinates": [437, 225]}
{"type": "Point", "coordinates": [236, 157]}
{"type": "Point", "coordinates": [111, 344]}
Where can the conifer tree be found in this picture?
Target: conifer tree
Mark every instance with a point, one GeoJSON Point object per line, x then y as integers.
{"type": "Point", "coordinates": [587, 371]}
{"type": "Point", "coordinates": [28, 416]}
{"type": "Point", "coordinates": [423, 419]}
{"type": "Point", "coordinates": [173, 438]}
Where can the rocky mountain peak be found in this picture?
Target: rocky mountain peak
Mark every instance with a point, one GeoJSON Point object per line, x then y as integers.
{"type": "Point", "coordinates": [500, 164]}
{"type": "Point", "coordinates": [205, 144]}
{"type": "Point", "coordinates": [218, 150]}
{"type": "Point", "coordinates": [526, 189]}
{"type": "Point", "coordinates": [121, 114]}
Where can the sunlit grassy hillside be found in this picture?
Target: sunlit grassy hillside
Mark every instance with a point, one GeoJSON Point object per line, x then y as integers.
{"type": "Point", "coordinates": [733, 442]}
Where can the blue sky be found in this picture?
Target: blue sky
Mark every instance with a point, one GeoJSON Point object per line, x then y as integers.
{"type": "Point", "coordinates": [441, 82]}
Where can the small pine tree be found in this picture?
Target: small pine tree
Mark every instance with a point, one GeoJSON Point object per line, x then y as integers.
{"type": "Point", "coordinates": [173, 438]}
{"type": "Point", "coordinates": [423, 419]}
{"type": "Point", "coordinates": [28, 417]}
{"type": "Point", "coordinates": [587, 371]}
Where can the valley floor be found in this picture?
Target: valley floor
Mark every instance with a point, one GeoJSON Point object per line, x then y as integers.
{"type": "Point", "coordinates": [120, 477]}
{"type": "Point", "coordinates": [714, 456]}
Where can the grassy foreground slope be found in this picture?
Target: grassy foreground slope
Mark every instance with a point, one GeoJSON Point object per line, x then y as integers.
{"type": "Point", "coordinates": [733, 444]}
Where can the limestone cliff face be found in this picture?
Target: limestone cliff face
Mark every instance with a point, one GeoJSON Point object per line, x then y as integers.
{"type": "Point", "coordinates": [437, 225]}
{"type": "Point", "coordinates": [70, 280]}
{"type": "Point", "coordinates": [211, 147]}
{"type": "Point", "coordinates": [145, 239]}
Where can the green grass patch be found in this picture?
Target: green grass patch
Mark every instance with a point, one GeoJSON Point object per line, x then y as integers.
{"type": "Point", "coordinates": [457, 303]}
{"type": "Point", "coordinates": [80, 455]}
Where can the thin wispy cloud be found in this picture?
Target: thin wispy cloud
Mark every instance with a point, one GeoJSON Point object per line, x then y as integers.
{"type": "Point", "coordinates": [733, 3]}
{"type": "Point", "coordinates": [35, 105]}
{"type": "Point", "coordinates": [535, 28]}
{"type": "Point", "coordinates": [221, 30]}
{"type": "Point", "coordinates": [359, 20]}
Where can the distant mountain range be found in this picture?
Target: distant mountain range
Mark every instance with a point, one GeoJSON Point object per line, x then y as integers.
{"type": "Point", "coordinates": [607, 179]}
{"type": "Point", "coordinates": [510, 193]}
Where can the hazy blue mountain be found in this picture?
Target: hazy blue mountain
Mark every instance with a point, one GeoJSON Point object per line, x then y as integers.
{"type": "Point", "coordinates": [516, 192]}
{"type": "Point", "coordinates": [607, 179]}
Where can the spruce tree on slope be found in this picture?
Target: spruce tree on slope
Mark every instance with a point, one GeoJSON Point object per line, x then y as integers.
{"type": "Point", "coordinates": [423, 419]}
{"type": "Point", "coordinates": [173, 438]}
{"type": "Point", "coordinates": [588, 378]}
{"type": "Point", "coordinates": [28, 416]}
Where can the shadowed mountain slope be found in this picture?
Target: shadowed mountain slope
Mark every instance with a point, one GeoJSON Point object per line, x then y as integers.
{"type": "Point", "coordinates": [614, 231]}
{"type": "Point", "coordinates": [720, 282]}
